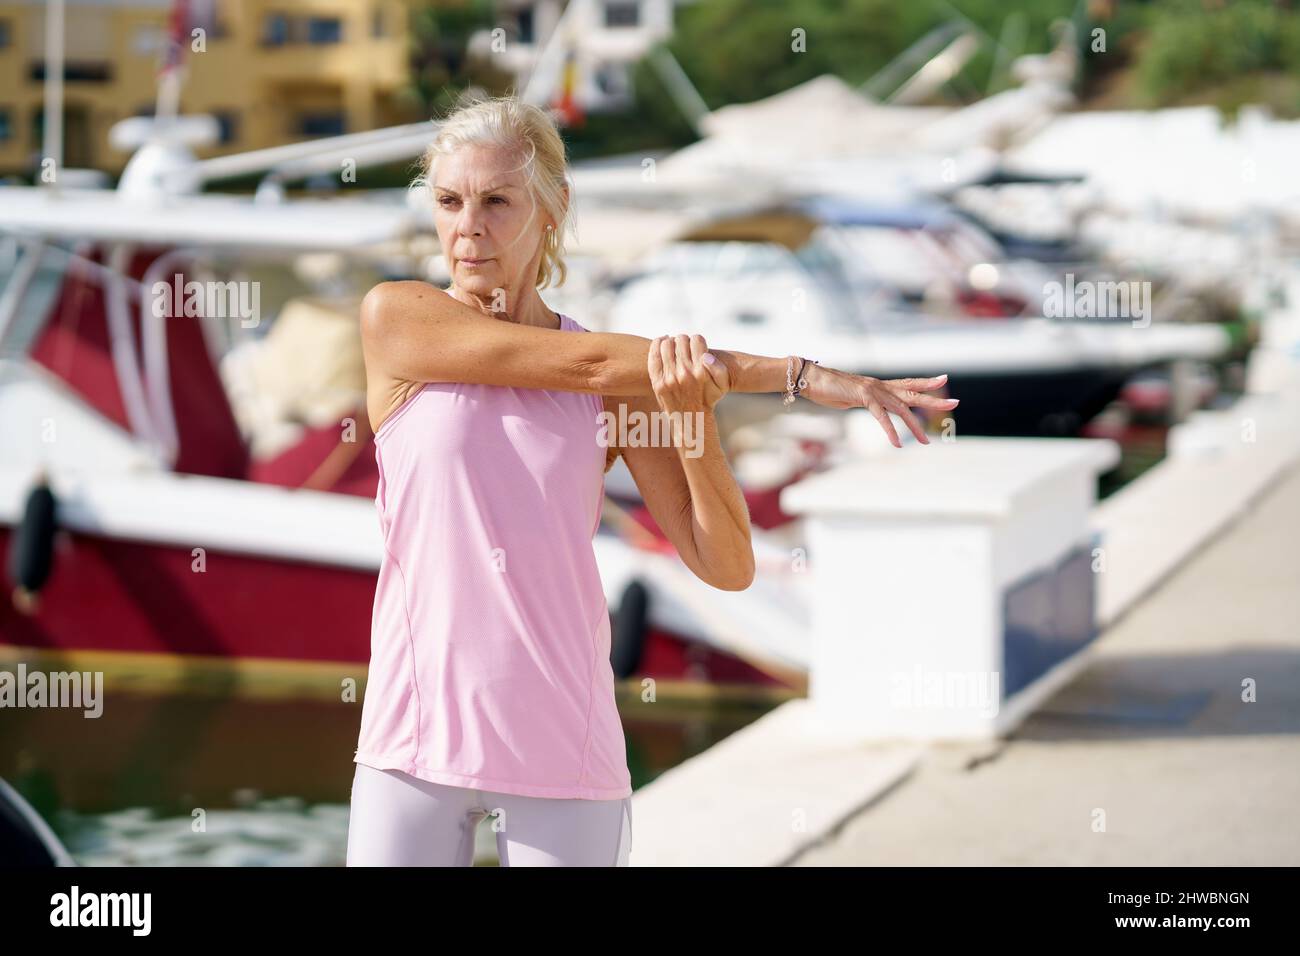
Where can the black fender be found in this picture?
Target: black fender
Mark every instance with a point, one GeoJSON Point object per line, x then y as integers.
{"type": "Point", "coordinates": [628, 626]}
{"type": "Point", "coordinates": [31, 552]}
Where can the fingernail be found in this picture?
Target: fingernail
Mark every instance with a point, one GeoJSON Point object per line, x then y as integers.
{"type": "Point", "coordinates": [708, 358]}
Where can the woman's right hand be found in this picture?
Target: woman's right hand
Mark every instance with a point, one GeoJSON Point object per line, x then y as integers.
{"type": "Point", "coordinates": [836, 389]}
{"type": "Point", "coordinates": [684, 374]}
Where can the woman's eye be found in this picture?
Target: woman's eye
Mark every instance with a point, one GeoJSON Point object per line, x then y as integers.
{"type": "Point", "coordinates": [497, 199]}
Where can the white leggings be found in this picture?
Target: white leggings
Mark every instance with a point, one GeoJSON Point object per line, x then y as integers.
{"type": "Point", "coordinates": [400, 820]}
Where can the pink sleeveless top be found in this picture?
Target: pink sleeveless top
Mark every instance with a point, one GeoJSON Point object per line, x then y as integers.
{"type": "Point", "coordinates": [490, 636]}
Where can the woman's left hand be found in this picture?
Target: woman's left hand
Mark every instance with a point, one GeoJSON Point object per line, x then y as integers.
{"type": "Point", "coordinates": [685, 375]}
{"type": "Point", "coordinates": [836, 389]}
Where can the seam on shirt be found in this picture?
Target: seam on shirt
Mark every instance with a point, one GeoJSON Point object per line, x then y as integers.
{"type": "Point", "coordinates": [381, 492]}
{"type": "Point", "coordinates": [591, 700]}
{"type": "Point", "coordinates": [410, 646]}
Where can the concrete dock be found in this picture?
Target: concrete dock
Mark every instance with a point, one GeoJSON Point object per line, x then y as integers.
{"type": "Point", "coordinates": [1154, 734]}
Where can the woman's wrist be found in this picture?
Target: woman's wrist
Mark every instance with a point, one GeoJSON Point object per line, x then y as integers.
{"type": "Point", "coordinates": [753, 373]}
{"type": "Point", "coordinates": [704, 407]}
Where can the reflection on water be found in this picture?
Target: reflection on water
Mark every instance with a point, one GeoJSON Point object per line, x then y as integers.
{"type": "Point", "coordinates": [177, 776]}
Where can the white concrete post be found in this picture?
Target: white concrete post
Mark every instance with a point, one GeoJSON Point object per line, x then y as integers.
{"type": "Point", "coordinates": [952, 583]}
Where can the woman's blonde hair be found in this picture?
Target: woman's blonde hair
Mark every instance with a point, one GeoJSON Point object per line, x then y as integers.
{"type": "Point", "coordinates": [508, 123]}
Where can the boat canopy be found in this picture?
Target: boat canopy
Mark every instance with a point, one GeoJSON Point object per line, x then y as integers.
{"type": "Point", "coordinates": [205, 220]}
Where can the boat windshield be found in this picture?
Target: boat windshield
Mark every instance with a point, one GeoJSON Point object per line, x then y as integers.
{"type": "Point", "coordinates": [29, 305]}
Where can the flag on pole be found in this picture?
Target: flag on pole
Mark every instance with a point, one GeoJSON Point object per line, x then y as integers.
{"type": "Point", "coordinates": [567, 105]}
{"type": "Point", "coordinates": [178, 31]}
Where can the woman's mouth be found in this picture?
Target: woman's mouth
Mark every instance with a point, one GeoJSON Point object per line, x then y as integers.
{"type": "Point", "coordinates": [474, 262]}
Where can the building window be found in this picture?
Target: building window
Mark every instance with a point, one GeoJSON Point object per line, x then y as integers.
{"type": "Point", "coordinates": [228, 126]}
{"type": "Point", "coordinates": [377, 23]}
{"type": "Point", "coordinates": [321, 124]}
{"type": "Point", "coordinates": [75, 71]}
{"type": "Point", "coordinates": [524, 25]}
{"type": "Point", "coordinates": [622, 13]}
{"type": "Point", "coordinates": [280, 29]}
{"type": "Point", "coordinates": [275, 30]}
{"type": "Point", "coordinates": [324, 30]}
{"type": "Point", "coordinates": [4, 34]}
{"type": "Point", "coordinates": [6, 127]}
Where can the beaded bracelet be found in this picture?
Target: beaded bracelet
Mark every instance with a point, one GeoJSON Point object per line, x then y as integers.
{"type": "Point", "coordinates": [793, 387]}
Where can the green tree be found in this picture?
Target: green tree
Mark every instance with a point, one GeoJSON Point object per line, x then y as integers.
{"type": "Point", "coordinates": [441, 68]}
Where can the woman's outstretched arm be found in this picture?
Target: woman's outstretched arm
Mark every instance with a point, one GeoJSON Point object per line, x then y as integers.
{"type": "Point", "coordinates": [415, 332]}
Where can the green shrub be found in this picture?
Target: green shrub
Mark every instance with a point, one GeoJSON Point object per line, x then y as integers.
{"type": "Point", "coordinates": [1190, 48]}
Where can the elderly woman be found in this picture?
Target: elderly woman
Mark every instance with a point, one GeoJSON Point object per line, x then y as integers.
{"type": "Point", "coordinates": [490, 690]}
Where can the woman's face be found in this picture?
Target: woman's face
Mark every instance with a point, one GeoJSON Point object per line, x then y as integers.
{"type": "Point", "coordinates": [481, 209]}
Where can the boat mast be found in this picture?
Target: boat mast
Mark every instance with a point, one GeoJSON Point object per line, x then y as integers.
{"type": "Point", "coordinates": [170, 73]}
{"type": "Point", "coordinates": [53, 133]}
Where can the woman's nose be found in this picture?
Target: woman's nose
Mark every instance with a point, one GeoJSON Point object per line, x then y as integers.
{"type": "Point", "coordinates": [469, 223]}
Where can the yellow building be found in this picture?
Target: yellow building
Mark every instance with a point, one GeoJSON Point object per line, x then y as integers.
{"type": "Point", "coordinates": [271, 71]}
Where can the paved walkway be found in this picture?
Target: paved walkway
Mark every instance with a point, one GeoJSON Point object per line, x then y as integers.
{"type": "Point", "coordinates": [1154, 736]}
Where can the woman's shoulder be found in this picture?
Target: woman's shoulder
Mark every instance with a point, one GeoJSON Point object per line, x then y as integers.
{"type": "Point", "coordinates": [386, 297]}
{"type": "Point", "coordinates": [393, 288]}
